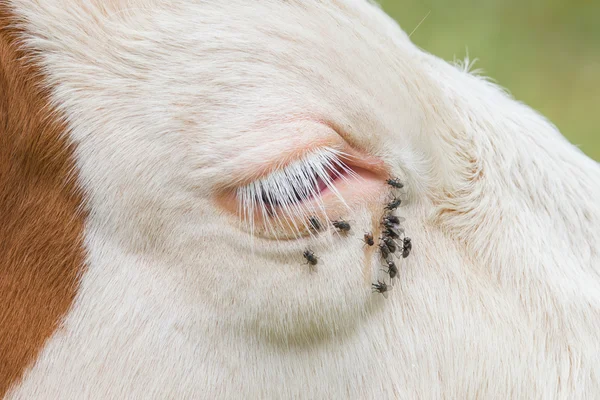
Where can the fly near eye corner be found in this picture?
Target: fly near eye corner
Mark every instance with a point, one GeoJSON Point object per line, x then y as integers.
{"type": "Point", "coordinates": [381, 287]}
{"type": "Point", "coordinates": [394, 233]}
{"type": "Point", "coordinates": [406, 247]}
{"type": "Point", "coordinates": [384, 251]}
{"type": "Point", "coordinates": [393, 204]}
{"type": "Point", "coordinates": [368, 239]}
{"type": "Point", "coordinates": [392, 270]}
{"type": "Point", "coordinates": [311, 259]}
{"type": "Point", "coordinates": [389, 242]}
{"type": "Point", "coordinates": [395, 183]}
{"type": "Point", "coordinates": [391, 220]}
{"type": "Point", "coordinates": [341, 225]}
{"type": "Point", "coordinates": [315, 224]}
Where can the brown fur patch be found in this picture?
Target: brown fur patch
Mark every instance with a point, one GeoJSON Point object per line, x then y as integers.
{"type": "Point", "coordinates": [41, 230]}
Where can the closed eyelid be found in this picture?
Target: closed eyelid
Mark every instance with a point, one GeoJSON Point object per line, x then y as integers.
{"type": "Point", "coordinates": [293, 193]}
{"type": "Point", "coordinates": [271, 146]}
{"type": "Point", "coordinates": [325, 183]}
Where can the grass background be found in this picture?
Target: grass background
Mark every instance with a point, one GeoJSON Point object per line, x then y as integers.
{"type": "Point", "coordinates": [545, 52]}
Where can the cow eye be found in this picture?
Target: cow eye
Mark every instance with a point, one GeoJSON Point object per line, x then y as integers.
{"type": "Point", "coordinates": [287, 199]}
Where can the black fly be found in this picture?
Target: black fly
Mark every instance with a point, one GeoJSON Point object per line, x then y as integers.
{"type": "Point", "coordinates": [383, 250]}
{"type": "Point", "coordinates": [390, 244]}
{"type": "Point", "coordinates": [392, 269]}
{"type": "Point", "coordinates": [342, 226]}
{"type": "Point", "coordinates": [391, 219]}
{"type": "Point", "coordinates": [310, 258]}
{"type": "Point", "coordinates": [393, 233]}
{"type": "Point", "coordinates": [369, 239]}
{"type": "Point", "coordinates": [395, 183]}
{"type": "Point", "coordinates": [406, 247]}
{"type": "Point", "coordinates": [315, 223]}
{"type": "Point", "coordinates": [392, 205]}
{"type": "Point", "coordinates": [381, 287]}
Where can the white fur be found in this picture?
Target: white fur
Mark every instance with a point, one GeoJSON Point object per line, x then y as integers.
{"type": "Point", "coordinates": [165, 100]}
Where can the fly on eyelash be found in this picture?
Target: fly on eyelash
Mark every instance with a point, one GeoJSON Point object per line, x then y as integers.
{"type": "Point", "coordinates": [292, 193]}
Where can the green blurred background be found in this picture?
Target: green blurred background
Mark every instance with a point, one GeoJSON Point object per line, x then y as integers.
{"type": "Point", "coordinates": [545, 52]}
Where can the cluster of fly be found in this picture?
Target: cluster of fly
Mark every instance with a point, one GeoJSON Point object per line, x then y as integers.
{"type": "Point", "coordinates": [316, 225]}
{"type": "Point", "coordinates": [392, 240]}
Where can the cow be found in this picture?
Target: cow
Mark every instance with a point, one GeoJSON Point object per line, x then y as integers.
{"type": "Point", "coordinates": [170, 176]}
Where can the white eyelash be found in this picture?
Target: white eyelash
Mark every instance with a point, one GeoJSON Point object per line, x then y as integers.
{"type": "Point", "coordinates": [280, 197]}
